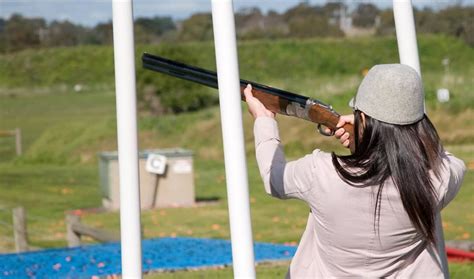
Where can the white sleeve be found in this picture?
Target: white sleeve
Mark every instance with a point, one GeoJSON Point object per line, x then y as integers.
{"type": "Point", "coordinates": [457, 170]}
{"type": "Point", "coordinates": [281, 179]}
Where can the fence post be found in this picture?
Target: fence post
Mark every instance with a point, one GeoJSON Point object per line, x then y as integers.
{"type": "Point", "coordinates": [18, 141]}
{"type": "Point", "coordinates": [73, 238]}
{"type": "Point", "coordinates": [19, 229]}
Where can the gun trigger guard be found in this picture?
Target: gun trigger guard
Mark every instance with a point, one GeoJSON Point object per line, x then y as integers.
{"type": "Point", "coordinates": [322, 132]}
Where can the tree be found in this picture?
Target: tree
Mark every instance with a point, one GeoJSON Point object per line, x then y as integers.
{"type": "Point", "coordinates": [387, 23]}
{"type": "Point", "coordinates": [250, 23]}
{"type": "Point", "coordinates": [275, 25]}
{"type": "Point", "coordinates": [152, 30]}
{"type": "Point", "coordinates": [162, 94]}
{"type": "Point", "coordinates": [2, 24]}
{"type": "Point", "coordinates": [156, 25]}
{"type": "Point", "coordinates": [103, 33]}
{"type": "Point", "coordinates": [306, 21]}
{"type": "Point", "coordinates": [301, 11]}
{"type": "Point", "coordinates": [455, 21]}
{"type": "Point", "coordinates": [459, 22]}
{"type": "Point", "coordinates": [196, 28]}
{"type": "Point", "coordinates": [333, 9]}
{"type": "Point", "coordinates": [21, 33]}
{"type": "Point", "coordinates": [64, 33]}
{"type": "Point", "coordinates": [365, 15]}
{"type": "Point", "coordinates": [2, 35]}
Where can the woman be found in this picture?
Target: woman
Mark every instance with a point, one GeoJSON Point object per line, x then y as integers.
{"type": "Point", "coordinates": [374, 213]}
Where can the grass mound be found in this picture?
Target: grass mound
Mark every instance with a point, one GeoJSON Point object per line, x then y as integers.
{"type": "Point", "coordinates": [259, 60]}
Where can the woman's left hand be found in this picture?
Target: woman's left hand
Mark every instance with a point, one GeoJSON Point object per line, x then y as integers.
{"type": "Point", "coordinates": [341, 134]}
{"type": "Point", "coordinates": [256, 108]}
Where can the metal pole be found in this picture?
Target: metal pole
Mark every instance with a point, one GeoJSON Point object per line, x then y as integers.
{"type": "Point", "coordinates": [233, 138]}
{"type": "Point", "coordinates": [125, 87]}
{"type": "Point", "coordinates": [408, 51]}
{"type": "Point", "coordinates": [406, 34]}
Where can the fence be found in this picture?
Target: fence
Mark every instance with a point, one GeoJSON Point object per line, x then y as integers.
{"type": "Point", "coordinates": [18, 226]}
{"type": "Point", "coordinates": [14, 133]}
{"type": "Point", "coordinates": [74, 230]}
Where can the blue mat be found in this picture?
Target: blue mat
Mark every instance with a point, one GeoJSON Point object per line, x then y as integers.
{"type": "Point", "coordinates": [104, 259]}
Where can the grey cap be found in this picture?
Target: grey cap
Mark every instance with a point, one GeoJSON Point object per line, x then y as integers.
{"type": "Point", "coordinates": [392, 93]}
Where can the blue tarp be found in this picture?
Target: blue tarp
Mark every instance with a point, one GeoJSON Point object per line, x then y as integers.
{"type": "Point", "coordinates": [104, 259]}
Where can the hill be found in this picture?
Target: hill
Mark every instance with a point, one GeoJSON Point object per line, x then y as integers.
{"type": "Point", "coordinates": [259, 60]}
{"type": "Point", "coordinates": [61, 127]}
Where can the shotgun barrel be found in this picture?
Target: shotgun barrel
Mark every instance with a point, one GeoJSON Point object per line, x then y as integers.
{"type": "Point", "coordinates": [274, 99]}
{"type": "Point", "coordinates": [207, 77]}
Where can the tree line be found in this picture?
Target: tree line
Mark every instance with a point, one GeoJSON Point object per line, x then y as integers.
{"type": "Point", "coordinates": [301, 21]}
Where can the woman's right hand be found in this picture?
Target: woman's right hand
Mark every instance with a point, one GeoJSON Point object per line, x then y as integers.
{"type": "Point", "coordinates": [256, 108]}
{"type": "Point", "coordinates": [340, 133]}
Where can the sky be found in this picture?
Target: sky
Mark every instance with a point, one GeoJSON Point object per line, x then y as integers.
{"type": "Point", "coordinates": [91, 12]}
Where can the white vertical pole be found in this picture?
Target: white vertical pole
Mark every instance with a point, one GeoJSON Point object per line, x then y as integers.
{"type": "Point", "coordinates": [408, 51]}
{"type": "Point", "coordinates": [125, 87]}
{"type": "Point", "coordinates": [233, 136]}
{"type": "Point", "coordinates": [406, 34]}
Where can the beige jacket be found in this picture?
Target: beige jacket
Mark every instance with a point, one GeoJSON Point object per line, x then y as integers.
{"type": "Point", "coordinates": [339, 239]}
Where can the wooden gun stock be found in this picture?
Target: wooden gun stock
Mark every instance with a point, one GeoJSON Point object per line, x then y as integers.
{"type": "Point", "coordinates": [274, 99]}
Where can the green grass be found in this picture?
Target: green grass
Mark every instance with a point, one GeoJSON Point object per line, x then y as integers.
{"type": "Point", "coordinates": [52, 123]}
{"type": "Point", "coordinates": [47, 192]}
{"type": "Point", "coordinates": [266, 270]}
{"type": "Point", "coordinates": [278, 270]}
{"type": "Point", "coordinates": [458, 216]}
{"type": "Point", "coordinates": [288, 61]}
{"type": "Point", "coordinates": [63, 131]}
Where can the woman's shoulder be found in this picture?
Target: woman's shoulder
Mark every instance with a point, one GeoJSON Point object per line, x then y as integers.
{"type": "Point", "coordinates": [455, 164]}
{"type": "Point", "coordinates": [450, 178]}
{"type": "Point", "coordinates": [320, 155]}
{"type": "Point", "coordinates": [321, 161]}
{"type": "Point", "coordinates": [452, 169]}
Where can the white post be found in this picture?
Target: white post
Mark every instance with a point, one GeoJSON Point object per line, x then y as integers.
{"type": "Point", "coordinates": [408, 51]}
{"type": "Point", "coordinates": [124, 57]}
{"type": "Point", "coordinates": [406, 34]}
{"type": "Point", "coordinates": [233, 136]}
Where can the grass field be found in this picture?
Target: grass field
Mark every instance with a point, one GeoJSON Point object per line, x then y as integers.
{"type": "Point", "coordinates": [63, 131]}
{"type": "Point", "coordinates": [278, 270]}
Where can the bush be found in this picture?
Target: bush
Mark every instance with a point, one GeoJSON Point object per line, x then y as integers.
{"type": "Point", "coordinates": [161, 94]}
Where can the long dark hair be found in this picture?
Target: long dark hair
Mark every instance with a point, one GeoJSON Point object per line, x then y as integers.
{"type": "Point", "coordinates": [403, 153]}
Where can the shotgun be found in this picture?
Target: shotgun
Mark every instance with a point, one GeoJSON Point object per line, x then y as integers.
{"type": "Point", "coordinates": [274, 99]}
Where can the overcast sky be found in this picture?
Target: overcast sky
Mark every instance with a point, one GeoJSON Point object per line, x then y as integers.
{"type": "Point", "coordinates": [90, 12]}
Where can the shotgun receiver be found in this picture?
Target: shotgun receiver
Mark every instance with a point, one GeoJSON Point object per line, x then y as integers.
{"type": "Point", "coordinates": [274, 99]}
